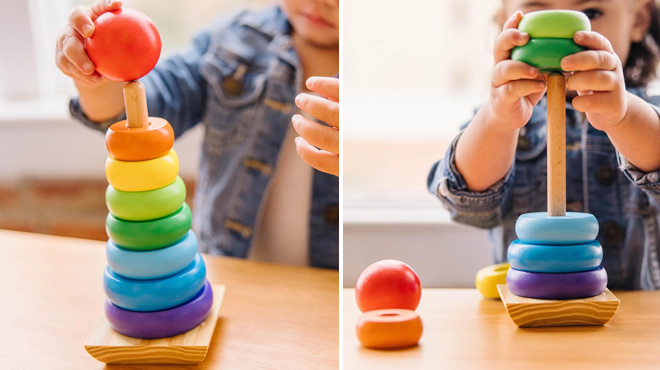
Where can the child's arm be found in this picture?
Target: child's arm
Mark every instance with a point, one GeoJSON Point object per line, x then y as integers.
{"type": "Point", "coordinates": [314, 135]}
{"type": "Point", "coordinates": [632, 125]}
{"type": "Point", "coordinates": [485, 150]}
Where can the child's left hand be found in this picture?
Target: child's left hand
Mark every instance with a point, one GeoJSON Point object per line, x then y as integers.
{"type": "Point", "coordinates": [314, 135]}
{"type": "Point", "coordinates": [598, 80]}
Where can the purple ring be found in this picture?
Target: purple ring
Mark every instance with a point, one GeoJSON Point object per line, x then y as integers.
{"type": "Point", "coordinates": [557, 286]}
{"type": "Point", "coordinates": [164, 323]}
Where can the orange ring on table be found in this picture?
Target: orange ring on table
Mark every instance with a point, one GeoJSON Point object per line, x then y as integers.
{"type": "Point", "coordinates": [141, 143]}
{"type": "Point", "coordinates": [389, 328]}
{"type": "Point", "coordinates": [142, 175]}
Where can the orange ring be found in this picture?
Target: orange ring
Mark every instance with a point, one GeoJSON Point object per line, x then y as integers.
{"type": "Point", "coordinates": [139, 144]}
{"type": "Point", "coordinates": [389, 328]}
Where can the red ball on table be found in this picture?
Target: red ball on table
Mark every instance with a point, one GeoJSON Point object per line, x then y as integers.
{"type": "Point", "coordinates": [388, 284]}
{"type": "Point", "coordinates": [125, 45]}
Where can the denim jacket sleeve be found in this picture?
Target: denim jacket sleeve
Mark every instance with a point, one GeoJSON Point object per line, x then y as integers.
{"type": "Point", "coordinates": [481, 209]}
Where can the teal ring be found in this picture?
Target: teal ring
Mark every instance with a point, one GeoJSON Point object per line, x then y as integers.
{"type": "Point", "coordinates": [574, 228]}
{"type": "Point", "coordinates": [554, 258]}
{"type": "Point", "coordinates": [156, 294]}
{"type": "Point", "coordinates": [153, 264]}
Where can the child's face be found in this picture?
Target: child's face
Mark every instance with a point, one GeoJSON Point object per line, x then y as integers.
{"type": "Point", "coordinates": [316, 21]}
{"type": "Point", "coordinates": [618, 20]}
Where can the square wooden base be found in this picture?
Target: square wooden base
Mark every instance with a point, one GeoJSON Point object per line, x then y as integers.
{"type": "Point", "coordinates": [530, 312]}
{"type": "Point", "coordinates": [107, 345]}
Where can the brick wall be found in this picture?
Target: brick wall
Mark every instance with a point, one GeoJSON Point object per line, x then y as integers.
{"type": "Point", "coordinates": [65, 207]}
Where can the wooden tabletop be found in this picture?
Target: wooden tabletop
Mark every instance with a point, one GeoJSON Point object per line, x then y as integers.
{"type": "Point", "coordinates": [462, 330]}
{"type": "Point", "coordinates": [273, 317]}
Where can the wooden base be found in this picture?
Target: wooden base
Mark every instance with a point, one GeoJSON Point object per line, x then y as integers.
{"type": "Point", "coordinates": [530, 312]}
{"type": "Point", "coordinates": [107, 345]}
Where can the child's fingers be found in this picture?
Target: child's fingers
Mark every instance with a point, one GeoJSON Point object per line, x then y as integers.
{"type": "Point", "coordinates": [320, 108]}
{"type": "Point", "coordinates": [72, 71]}
{"type": "Point", "coordinates": [589, 60]}
{"type": "Point", "coordinates": [328, 87]}
{"type": "Point", "coordinates": [512, 91]}
{"type": "Point", "coordinates": [513, 21]}
{"type": "Point", "coordinates": [596, 80]}
{"type": "Point", "coordinates": [72, 47]}
{"type": "Point", "coordinates": [592, 40]}
{"type": "Point", "coordinates": [509, 70]}
{"type": "Point", "coordinates": [597, 103]}
{"type": "Point", "coordinates": [322, 137]}
{"type": "Point", "coordinates": [319, 159]}
{"type": "Point", "coordinates": [82, 17]}
{"type": "Point", "coordinates": [506, 41]}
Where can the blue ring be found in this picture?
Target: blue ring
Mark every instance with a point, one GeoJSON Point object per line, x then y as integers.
{"type": "Point", "coordinates": [157, 294]}
{"type": "Point", "coordinates": [152, 264]}
{"type": "Point", "coordinates": [574, 228]}
{"type": "Point", "coordinates": [554, 258]}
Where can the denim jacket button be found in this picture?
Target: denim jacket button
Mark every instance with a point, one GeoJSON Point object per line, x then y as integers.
{"type": "Point", "coordinates": [612, 232]}
{"type": "Point", "coordinates": [605, 175]}
{"type": "Point", "coordinates": [232, 86]}
{"type": "Point", "coordinates": [524, 144]}
{"type": "Point", "coordinates": [331, 214]}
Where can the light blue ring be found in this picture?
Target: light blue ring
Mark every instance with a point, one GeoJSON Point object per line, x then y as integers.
{"type": "Point", "coordinates": [574, 228]}
{"type": "Point", "coordinates": [555, 258]}
{"type": "Point", "coordinates": [152, 264]}
{"type": "Point", "coordinates": [157, 294]}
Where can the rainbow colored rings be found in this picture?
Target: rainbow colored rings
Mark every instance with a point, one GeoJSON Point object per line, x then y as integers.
{"type": "Point", "coordinates": [165, 323]}
{"type": "Point", "coordinates": [554, 258]}
{"type": "Point", "coordinates": [152, 234]}
{"type": "Point", "coordinates": [139, 144]}
{"type": "Point", "coordinates": [557, 286]}
{"type": "Point", "coordinates": [142, 175]}
{"type": "Point", "coordinates": [156, 294]}
{"type": "Point", "coordinates": [146, 205]}
{"type": "Point", "coordinates": [153, 264]}
{"type": "Point", "coordinates": [545, 54]}
{"type": "Point", "coordinates": [489, 277]}
{"type": "Point", "coordinates": [554, 24]}
{"type": "Point", "coordinates": [574, 228]}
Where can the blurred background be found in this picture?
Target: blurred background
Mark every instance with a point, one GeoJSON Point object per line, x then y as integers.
{"type": "Point", "coordinates": [52, 167]}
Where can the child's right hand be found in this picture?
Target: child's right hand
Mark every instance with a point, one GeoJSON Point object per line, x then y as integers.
{"type": "Point", "coordinates": [70, 54]}
{"type": "Point", "coordinates": [516, 87]}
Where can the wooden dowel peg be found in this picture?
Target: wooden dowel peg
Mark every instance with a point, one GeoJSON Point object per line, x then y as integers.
{"type": "Point", "coordinates": [556, 145]}
{"type": "Point", "coordinates": [135, 100]}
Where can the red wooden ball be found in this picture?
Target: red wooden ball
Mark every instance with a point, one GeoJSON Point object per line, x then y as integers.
{"type": "Point", "coordinates": [125, 45]}
{"type": "Point", "coordinates": [388, 284]}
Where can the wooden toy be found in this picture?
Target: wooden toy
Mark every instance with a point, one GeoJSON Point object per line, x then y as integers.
{"type": "Point", "coordinates": [146, 205]}
{"type": "Point", "coordinates": [388, 284]}
{"type": "Point", "coordinates": [389, 328]}
{"type": "Point", "coordinates": [159, 288]}
{"type": "Point", "coordinates": [555, 24]}
{"type": "Point", "coordinates": [489, 277]}
{"type": "Point", "coordinates": [553, 259]}
{"type": "Point", "coordinates": [572, 228]}
{"type": "Point", "coordinates": [569, 285]}
{"type": "Point", "coordinates": [153, 264]}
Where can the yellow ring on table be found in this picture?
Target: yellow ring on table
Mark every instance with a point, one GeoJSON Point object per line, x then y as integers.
{"type": "Point", "coordinates": [489, 277]}
{"type": "Point", "coordinates": [142, 175]}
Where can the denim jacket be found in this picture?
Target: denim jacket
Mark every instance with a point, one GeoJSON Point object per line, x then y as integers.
{"type": "Point", "coordinates": [239, 79]}
{"type": "Point", "coordinates": [599, 180]}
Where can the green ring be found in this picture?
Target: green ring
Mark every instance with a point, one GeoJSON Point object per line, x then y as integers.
{"type": "Point", "coordinates": [554, 24]}
{"type": "Point", "coordinates": [545, 54]}
{"type": "Point", "coordinates": [146, 205]}
{"type": "Point", "coordinates": [148, 235]}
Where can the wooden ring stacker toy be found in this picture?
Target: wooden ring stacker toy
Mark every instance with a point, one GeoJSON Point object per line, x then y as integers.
{"type": "Point", "coordinates": [554, 259]}
{"type": "Point", "coordinates": [154, 264]}
{"type": "Point", "coordinates": [526, 312]}
{"type": "Point", "coordinates": [152, 234]}
{"type": "Point", "coordinates": [126, 143]}
{"type": "Point", "coordinates": [573, 228]}
{"type": "Point", "coordinates": [142, 175]}
{"type": "Point", "coordinates": [570, 285]}
{"type": "Point", "coordinates": [146, 205]}
{"type": "Point", "coordinates": [489, 277]}
{"type": "Point", "coordinates": [389, 328]}
{"type": "Point", "coordinates": [165, 323]}
{"type": "Point", "coordinates": [155, 294]}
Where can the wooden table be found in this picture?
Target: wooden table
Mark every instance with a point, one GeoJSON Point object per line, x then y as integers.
{"type": "Point", "coordinates": [462, 330]}
{"type": "Point", "coordinates": [274, 317]}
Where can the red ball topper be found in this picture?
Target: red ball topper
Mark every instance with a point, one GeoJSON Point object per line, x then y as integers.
{"type": "Point", "coordinates": [125, 45]}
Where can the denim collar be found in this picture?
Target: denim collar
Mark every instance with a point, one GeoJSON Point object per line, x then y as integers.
{"type": "Point", "coordinates": [271, 22]}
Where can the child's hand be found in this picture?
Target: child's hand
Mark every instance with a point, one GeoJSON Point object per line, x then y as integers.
{"type": "Point", "coordinates": [70, 54]}
{"type": "Point", "coordinates": [598, 79]}
{"type": "Point", "coordinates": [314, 135]}
{"type": "Point", "coordinates": [516, 87]}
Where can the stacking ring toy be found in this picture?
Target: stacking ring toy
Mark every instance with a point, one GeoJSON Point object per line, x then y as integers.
{"type": "Point", "coordinates": [152, 264]}
{"type": "Point", "coordinates": [140, 143]}
{"type": "Point", "coordinates": [554, 258]}
{"type": "Point", "coordinates": [146, 205]}
{"type": "Point", "coordinates": [389, 328]}
{"type": "Point", "coordinates": [489, 277]}
{"type": "Point", "coordinates": [560, 24]}
{"type": "Point", "coordinates": [147, 235]}
{"type": "Point", "coordinates": [545, 54]}
{"type": "Point", "coordinates": [557, 286]}
{"type": "Point", "coordinates": [574, 228]}
{"type": "Point", "coordinates": [157, 294]}
{"type": "Point", "coordinates": [160, 324]}
{"type": "Point", "coordinates": [142, 175]}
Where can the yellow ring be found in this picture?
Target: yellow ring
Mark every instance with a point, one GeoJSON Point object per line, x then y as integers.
{"type": "Point", "coordinates": [142, 175]}
{"type": "Point", "coordinates": [488, 278]}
